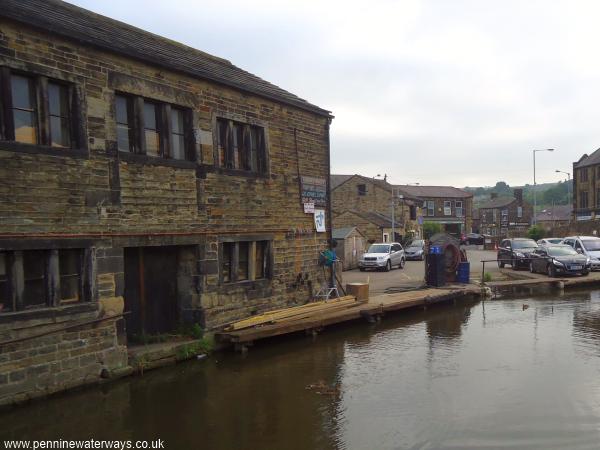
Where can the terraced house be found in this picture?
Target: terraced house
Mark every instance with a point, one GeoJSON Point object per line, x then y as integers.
{"type": "Point", "coordinates": [145, 177]}
{"type": "Point", "coordinates": [586, 187]}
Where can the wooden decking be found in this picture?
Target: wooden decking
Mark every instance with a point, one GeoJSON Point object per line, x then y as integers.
{"type": "Point", "coordinates": [375, 307]}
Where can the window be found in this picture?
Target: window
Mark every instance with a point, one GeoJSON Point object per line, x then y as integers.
{"type": "Point", "coordinates": [49, 278]}
{"type": "Point", "coordinates": [362, 189]}
{"type": "Point", "coordinates": [241, 146]}
{"type": "Point", "coordinates": [583, 199]}
{"type": "Point", "coordinates": [459, 209]}
{"type": "Point", "coordinates": [413, 212]}
{"type": "Point", "coordinates": [447, 208]}
{"type": "Point", "coordinates": [245, 260]}
{"type": "Point", "coordinates": [386, 237]}
{"type": "Point", "coordinates": [583, 174]}
{"type": "Point", "coordinates": [519, 212]}
{"type": "Point", "coordinates": [124, 119]}
{"type": "Point", "coordinates": [504, 213]}
{"type": "Point", "coordinates": [38, 111]}
{"type": "Point", "coordinates": [495, 215]}
{"type": "Point", "coordinates": [430, 208]}
{"type": "Point", "coordinates": [153, 128]}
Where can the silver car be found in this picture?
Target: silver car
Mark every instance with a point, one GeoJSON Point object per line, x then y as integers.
{"type": "Point", "coordinates": [382, 256]}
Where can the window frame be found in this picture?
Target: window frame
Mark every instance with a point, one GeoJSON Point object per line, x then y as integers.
{"type": "Point", "coordinates": [51, 277]}
{"type": "Point", "coordinates": [447, 207]}
{"type": "Point", "coordinates": [460, 212]}
{"type": "Point", "coordinates": [224, 153]}
{"type": "Point", "coordinates": [253, 242]}
{"type": "Point", "coordinates": [76, 122]}
{"type": "Point", "coordinates": [138, 148]}
{"type": "Point", "coordinates": [430, 208]}
{"type": "Point", "coordinates": [361, 190]}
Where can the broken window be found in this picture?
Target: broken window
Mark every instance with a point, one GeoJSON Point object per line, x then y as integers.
{"type": "Point", "coordinates": [153, 128]}
{"type": "Point", "coordinates": [38, 111]}
{"type": "Point", "coordinates": [244, 260]}
{"type": "Point", "coordinates": [241, 146]}
{"type": "Point", "coordinates": [362, 189]}
{"type": "Point", "coordinates": [48, 278]}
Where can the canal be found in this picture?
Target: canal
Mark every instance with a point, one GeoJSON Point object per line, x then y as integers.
{"type": "Point", "coordinates": [517, 373]}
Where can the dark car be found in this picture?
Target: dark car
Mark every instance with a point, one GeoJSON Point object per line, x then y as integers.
{"type": "Point", "coordinates": [472, 238]}
{"type": "Point", "coordinates": [415, 250]}
{"type": "Point", "coordinates": [559, 259]}
{"type": "Point", "coordinates": [516, 252]}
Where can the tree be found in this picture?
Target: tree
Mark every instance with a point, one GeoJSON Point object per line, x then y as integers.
{"type": "Point", "coordinates": [431, 228]}
{"type": "Point", "coordinates": [535, 232]}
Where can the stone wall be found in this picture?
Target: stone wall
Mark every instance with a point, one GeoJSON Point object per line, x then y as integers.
{"type": "Point", "coordinates": [114, 200]}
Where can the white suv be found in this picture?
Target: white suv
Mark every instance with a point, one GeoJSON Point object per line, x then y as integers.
{"type": "Point", "coordinates": [382, 256]}
{"type": "Point", "coordinates": [588, 246]}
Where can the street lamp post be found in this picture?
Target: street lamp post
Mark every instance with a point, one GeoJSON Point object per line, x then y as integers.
{"type": "Point", "coordinates": [568, 174]}
{"type": "Point", "coordinates": [534, 183]}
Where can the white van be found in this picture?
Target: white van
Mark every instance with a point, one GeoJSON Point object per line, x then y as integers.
{"type": "Point", "coordinates": [586, 245]}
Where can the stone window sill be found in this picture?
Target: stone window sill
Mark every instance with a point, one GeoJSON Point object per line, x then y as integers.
{"type": "Point", "coordinates": [49, 313]}
{"type": "Point", "coordinates": [156, 161]}
{"type": "Point", "coordinates": [33, 149]}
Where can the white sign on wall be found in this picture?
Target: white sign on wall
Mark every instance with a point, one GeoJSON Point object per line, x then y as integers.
{"type": "Point", "coordinates": [309, 208]}
{"type": "Point", "coordinates": [320, 220]}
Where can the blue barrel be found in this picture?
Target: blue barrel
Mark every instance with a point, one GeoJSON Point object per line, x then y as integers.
{"type": "Point", "coordinates": [435, 250]}
{"type": "Point", "coordinates": [464, 269]}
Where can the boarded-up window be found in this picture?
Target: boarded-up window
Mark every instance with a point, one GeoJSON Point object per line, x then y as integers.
{"type": "Point", "coordinates": [24, 109]}
{"type": "Point", "coordinates": [70, 264]}
{"type": "Point", "coordinates": [59, 114]}
{"type": "Point", "coordinates": [34, 275]}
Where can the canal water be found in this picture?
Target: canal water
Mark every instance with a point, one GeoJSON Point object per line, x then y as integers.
{"type": "Point", "coordinates": [517, 373]}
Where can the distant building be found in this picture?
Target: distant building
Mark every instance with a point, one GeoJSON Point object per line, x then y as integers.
{"type": "Point", "coordinates": [500, 216]}
{"type": "Point", "coordinates": [376, 197]}
{"type": "Point", "coordinates": [586, 187]}
{"type": "Point", "coordinates": [449, 206]}
{"type": "Point", "coordinates": [375, 226]}
{"type": "Point", "coordinates": [555, 216]}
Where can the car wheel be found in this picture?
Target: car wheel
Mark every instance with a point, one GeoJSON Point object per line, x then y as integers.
{"type": "Point", "coordinates": [402, 262]}
{"type": "Point", "coordinates": [551, 271]}
{"type": "Point", "coordinates": [585, 273]}
{"type": "Point", "coordinates": [388, 266]}
{"type": "Point", "coordinates": [531, 267]}
{"type": "Point", "coordinates": [513, 263]}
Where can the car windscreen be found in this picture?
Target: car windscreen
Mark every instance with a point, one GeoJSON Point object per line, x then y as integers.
{"type": "Point", "coordinates": [562, 251]}
{"type": "Point", "coordinates": [591, 244]}
{"type": "Point", "coordinates": [379, 248]}
{"type": "Point", "coordinates": [524, 244]}
{"type": "Point", "coordinates": [414, 248]}
{"type": "Point", "coordinates": [554, 241]}
{"type": "Point", "coordinates": [417, 243]}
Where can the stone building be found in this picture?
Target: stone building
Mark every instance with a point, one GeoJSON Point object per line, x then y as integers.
{"type": "Point", "coordinates": [356, 193]}
{"type": "Point", "coordinates": [374, 226]}
{"type": "Point", "coordinates": [586, 187]}
{"type": "Point", "coordinates": [141, 175]}
{"type": "Point", "coordinates": [554, 216]}
{"type": "Point", "coordinates": [448, 206]}
{"type": "Point", "coordinates": [505, 216]}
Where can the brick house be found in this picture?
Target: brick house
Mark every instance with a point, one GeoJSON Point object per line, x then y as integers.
{"type": "Point", "coordinates": [503, 216]}
{"type": "Point", "coordinates": [356, 193]}
{"type": "Point", "coordinates": [586, 187]}
{"type": "Point", "coordinates": [451, 207]}
{"type": "Point", "coordinates": [140, 174]}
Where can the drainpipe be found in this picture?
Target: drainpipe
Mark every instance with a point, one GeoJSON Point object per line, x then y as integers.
{"type": "Point", "coordinates": [329, 208]}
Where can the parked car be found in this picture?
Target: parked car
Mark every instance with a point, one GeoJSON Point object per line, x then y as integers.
{"type": "Point", "coordinates": [588, 246]}
{"type": "Point", "coordinates": [472, 238]}
{"type": "Point", "coordinates": [515, 252]}
{"type": "Point", "coordinates": [415, 250]}
{"type": "Point", "coordinates": [382, 256]}
{"type": "Point", "coordinates": [558, 259]}
{"type": "Point", "coordinates": [550, 241]}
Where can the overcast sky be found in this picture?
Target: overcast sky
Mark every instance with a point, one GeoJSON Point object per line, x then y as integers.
{"type": "Point", "coordinates": [435, 92]}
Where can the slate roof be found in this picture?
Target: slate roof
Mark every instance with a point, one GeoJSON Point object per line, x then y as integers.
{"type": "Point", "coordinates": [435, 191]}
{"type": "Point", "coordinates": [558, 212]}
{"type": "Point", "coordinates": [499, 202]}
{"type": "Point", "coordinates": [376, 218]}
{"type": "Point", "coordinates": [342, 233]}
{"type": "Point", "coordinates": [87, 27]}
{"type": "Point", "coordinates": [338, 180]}
{"type": "Point", "coordinates": [589, 160]}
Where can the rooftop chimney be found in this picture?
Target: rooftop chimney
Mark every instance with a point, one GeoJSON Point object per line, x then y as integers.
{"type": "Point", "coordinates": [518, 193]}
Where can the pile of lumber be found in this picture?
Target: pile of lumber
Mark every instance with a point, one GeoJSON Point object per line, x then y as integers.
{"type": "Point", "coordinates": [296, 313]}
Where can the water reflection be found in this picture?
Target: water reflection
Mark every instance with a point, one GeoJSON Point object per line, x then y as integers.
{"type": "Point", "coordinates": [448, 377]}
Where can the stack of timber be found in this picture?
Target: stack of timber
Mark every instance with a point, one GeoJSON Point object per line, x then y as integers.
{"type": "Point", "coordinates": [295, 313]}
